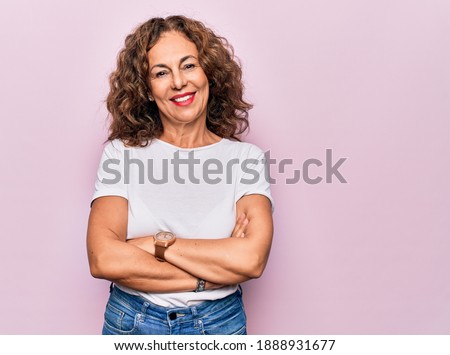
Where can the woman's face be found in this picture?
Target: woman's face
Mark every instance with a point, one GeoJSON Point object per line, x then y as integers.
{"type": "Point", "coordinates": [177, 81]}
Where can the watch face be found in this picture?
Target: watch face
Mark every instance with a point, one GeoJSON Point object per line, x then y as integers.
{"type": "Point", "coordinates": [164, 236]}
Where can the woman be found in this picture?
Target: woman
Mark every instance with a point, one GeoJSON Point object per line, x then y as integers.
{"type": "Point", "coordinates": [182, 212]}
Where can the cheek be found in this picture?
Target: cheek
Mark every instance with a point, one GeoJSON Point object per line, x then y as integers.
{"type": "Point", "coordinates": [206, 82]}
{"type": "Point", "coordinates": [158, 89]}
{"type": "Point", "coordinates": [201, 79]}
{"type": "Point", "coordinates": [203, 84]}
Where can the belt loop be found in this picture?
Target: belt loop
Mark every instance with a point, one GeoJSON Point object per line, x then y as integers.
{"type": "Point", "coordinates": [194, 311]}
{"type": "Point", "coordinates": [240, 289]}
{"type": "Point", "coordinates": [144, 307]}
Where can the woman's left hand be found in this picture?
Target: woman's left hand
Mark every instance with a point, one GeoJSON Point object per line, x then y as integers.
{"type": "Point", "coordinates": [145, 243]}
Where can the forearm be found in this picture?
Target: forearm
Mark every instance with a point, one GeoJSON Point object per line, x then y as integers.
{"type": "Point", "coordinates": [227, 261]}
{"type": "Point", "coordinates": [231, 260]}
{"type": "Point", "coordinates": [113, 258]}
{"type": "Point", "coordinates": [132, 267]}
{"type": "Point", "coordinates": [220, 261]}
{"type": "Point", "coordinates": [169, 278]}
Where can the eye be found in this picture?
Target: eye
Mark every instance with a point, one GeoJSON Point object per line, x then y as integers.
{"type": "Point", "coordinates": [189, 66]}
{"type": "Point", "coordinates": [161, 74]}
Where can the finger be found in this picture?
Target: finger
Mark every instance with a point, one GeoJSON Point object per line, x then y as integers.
{"type": "Point", "coordinates": [238, 228]}
{"type": "Point", "coordinates": [241, 228]}
{"type": "Point", "coordinates": [238, 225]}
{"type": "Point", "coordinates": [244, 228]}
{"type": "Point", "coordinates": [241, 218]}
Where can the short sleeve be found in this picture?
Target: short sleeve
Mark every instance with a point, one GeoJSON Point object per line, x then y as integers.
{"type": "Point", "coordinates": [109, 180]}
{"type": "Point", "coordinates": [254, 175]}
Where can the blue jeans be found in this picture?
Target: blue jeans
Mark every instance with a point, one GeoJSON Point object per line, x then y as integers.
{"type": "Point", "coordinates": [129, 314]}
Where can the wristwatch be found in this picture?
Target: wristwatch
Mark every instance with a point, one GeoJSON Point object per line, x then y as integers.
{"type": "Point", "coordinates": [162, 241]}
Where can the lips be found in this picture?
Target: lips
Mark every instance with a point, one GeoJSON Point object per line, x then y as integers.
{"type": "Point", "coordinates": [183, 99]}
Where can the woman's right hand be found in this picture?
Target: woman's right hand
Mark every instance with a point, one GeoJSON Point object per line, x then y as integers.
{"type": "Point", "coordinates": [240, 227]}
{"type": "Point", "coordinates": [238, 232]}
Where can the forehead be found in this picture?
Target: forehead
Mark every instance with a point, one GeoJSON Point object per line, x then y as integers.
{"type": "Point", "coordinates": [171, 47]}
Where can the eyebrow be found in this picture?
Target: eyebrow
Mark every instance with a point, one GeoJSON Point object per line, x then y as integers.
{"type": "Point", "coordinates": [186, 57]}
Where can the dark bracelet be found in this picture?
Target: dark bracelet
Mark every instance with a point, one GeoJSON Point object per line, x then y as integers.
{"type": "Point", "coordinates": [200, 285]}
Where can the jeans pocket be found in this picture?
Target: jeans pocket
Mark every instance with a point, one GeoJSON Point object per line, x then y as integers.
{"type": "Point", "coordinates": [242, 331]}
{"type": "Point", "coordinates": [120, 321]}
{"type": "Point", "coordinates": [229, 320]}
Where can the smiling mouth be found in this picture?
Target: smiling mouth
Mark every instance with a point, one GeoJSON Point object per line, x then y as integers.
{"type": "Point", "coordinates": [183, 99]}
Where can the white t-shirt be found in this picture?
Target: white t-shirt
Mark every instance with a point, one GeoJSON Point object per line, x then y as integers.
{"type": "Point", "coordinates": [191, 192]}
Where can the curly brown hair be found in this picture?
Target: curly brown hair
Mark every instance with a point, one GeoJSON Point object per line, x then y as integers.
{"type": "Point", "coordinates": [135, 119]}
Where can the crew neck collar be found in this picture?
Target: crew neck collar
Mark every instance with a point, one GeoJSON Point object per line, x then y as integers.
{"type": "Point", "coordinates": [189, 149]}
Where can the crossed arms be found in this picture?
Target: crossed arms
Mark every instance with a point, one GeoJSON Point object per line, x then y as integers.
{"type": "Point", "coordinates": [226, 261]}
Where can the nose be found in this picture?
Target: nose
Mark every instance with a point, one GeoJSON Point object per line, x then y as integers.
{"type": "Point", "coordinates": [178, 80]}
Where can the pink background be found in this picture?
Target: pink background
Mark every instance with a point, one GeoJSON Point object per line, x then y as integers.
{"type": "Point", "coordinates": [369, 79]}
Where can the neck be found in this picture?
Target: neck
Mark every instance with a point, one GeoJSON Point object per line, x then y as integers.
{"type": "Point", "coordinates": [185, 138]}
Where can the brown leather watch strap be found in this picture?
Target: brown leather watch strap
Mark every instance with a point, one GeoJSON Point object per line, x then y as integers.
{"type": "Point", "coordinates": [159, 252]}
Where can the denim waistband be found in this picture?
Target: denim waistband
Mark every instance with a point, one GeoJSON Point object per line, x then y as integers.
{"type": "Point", "coordinates": [141, 305]}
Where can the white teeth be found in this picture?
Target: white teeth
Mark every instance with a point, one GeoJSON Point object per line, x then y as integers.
{"type": "Point", "coordinates": [183, 99]}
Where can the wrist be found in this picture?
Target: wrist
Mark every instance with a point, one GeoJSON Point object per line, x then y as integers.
{"type": "Point", "coordinates": [150, 242]}
{"type": "Point", "coordinates": [145, 243]}
{"type": "Point", "coordinates": [201, 284]}
{"type": "Point", "coordinates": [161, 242]}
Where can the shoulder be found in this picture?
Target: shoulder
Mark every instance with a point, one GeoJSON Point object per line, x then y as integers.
{"type": "Point", "coordinates": [243, 149]}
{"type": "Point", "coordinates": [116, 147]}
{"type": "Point", "coordinates": [242, 146]}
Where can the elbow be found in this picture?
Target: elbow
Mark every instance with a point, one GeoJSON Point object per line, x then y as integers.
{"type": "Point", "coordinates": [256, 267]}
{"type": "Point", "coordinates": [235, 274]}
{"type": "Point", "coordinates": [96, 270]}
{"type": "Point", "coordinates": [100, 268]}
{"type": "Point", "coordinates": [255, 273]}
